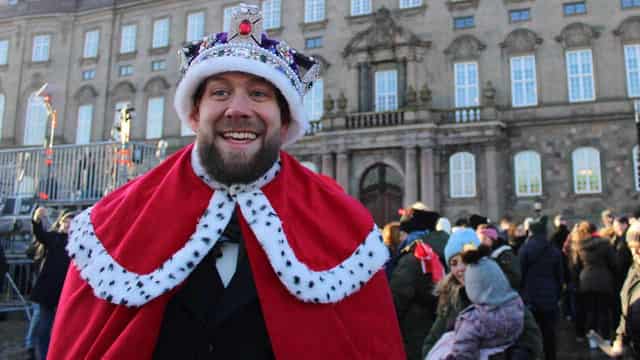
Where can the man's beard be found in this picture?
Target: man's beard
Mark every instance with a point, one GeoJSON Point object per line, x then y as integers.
{"type": "Point", "coordinates": [237, 167]}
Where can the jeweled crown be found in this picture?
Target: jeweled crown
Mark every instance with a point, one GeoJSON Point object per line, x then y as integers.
{"type": "Point", "coordinates": [245, 39]}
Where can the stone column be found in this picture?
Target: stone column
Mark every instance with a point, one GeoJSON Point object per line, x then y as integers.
{"type": "Point", "coordinates": [342, 170]}
{"type": "Point", "coordinates": [410, 176]}
{"type": "Point", "coordinates": [427, 178]}
{"type": "Point", "coordinates": [327, 165]}
{"type": "Point", "coordinates": [492, 190]}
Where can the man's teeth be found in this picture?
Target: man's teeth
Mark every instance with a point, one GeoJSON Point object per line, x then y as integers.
{"type": "Point", "coordinates": [240, 135]}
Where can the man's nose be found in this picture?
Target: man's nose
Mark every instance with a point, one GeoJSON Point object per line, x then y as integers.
{"type": "Point", "coordinates": [238, 107]}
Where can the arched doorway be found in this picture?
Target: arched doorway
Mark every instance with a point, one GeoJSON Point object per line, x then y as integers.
{"type": "Point", "coordinates": [381, 192]}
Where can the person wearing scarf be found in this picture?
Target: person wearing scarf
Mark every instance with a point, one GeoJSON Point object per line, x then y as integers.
{"type": "Point", "coordinates": [230, 248]}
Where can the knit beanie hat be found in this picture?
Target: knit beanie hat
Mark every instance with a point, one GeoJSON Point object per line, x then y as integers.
{"type": "Point", "coordinates": [475, 220]}
{"type": "Point", "coordinates": [457, 242]}
{"type": "Point", "coordinates": [419, 220]}
{"type": "Point", "coordinates": [486, 284]}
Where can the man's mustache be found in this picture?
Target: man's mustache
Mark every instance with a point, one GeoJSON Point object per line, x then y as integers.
{"type": "Point", "coordinates": [226, 124]}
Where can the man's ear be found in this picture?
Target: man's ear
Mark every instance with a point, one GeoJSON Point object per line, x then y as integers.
{"type": "Point", "coordinates": [194, 119]}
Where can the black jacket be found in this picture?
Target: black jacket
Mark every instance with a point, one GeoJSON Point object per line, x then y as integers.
{"type": "Point", "coordinates": [4, 267]}
{"type": "Point", "coordinates": [594, 266]}
{"type": "Point", "coordinates": [542, 273]}
{"type": "Point", "coordinates": [205, 320]}
{"type": "Point", "coordinates": [559, 236]}
{"type": "Point", "coordinates": [623, 259]}
{"type": "Point", "coordinates": [48, 287]}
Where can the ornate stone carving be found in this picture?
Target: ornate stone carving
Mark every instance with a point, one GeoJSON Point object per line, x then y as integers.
{"type": "Point", "coordinates": [520, 41]}
{"type": "Point", "coordinates": [156, 85]}
{"type": "Point", "coordinates": [465, 47]}
{"type": "Point", "coordinates": [577, 35]}
{"type": "Point", "coordinates": [383, 34]}
{"type": "Point", "coordinates": [425, 96]}
{"type": "Point", "coordinates": [489, 94]}
{"type": "Point", "coordinates": [462, 4]}
{"type": "Point", "coordinates": [342, 102]}
{"type": "Point", "coordinates": [85, 93]}
{"type": "Point", "coordinates": [412, 97]}
{"type": "Point", "coordinates": [629, 29]}
{"type": "Point", "coordinates": [329, 104]}
{"type": "Point", "coordinates": [123, 88]}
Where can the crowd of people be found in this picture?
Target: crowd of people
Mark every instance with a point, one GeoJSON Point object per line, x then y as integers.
{"type": "Point", "coordinates": [484, 290]}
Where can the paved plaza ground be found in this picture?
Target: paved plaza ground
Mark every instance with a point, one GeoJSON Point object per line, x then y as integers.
{"type": "Point", "coordinates": [12, 339]}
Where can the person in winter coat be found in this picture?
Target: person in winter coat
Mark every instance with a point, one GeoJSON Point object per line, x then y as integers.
{"type": "Point", "coordinates": [622, 256]}
{"type": "Point", "coordinates": [495, 319]}
{"type": "Point", "coordinates": [542, 278]}
{"type": "Point", "coordinates": [560, 232]}
{"type": "Point", "coordinates": [593, 265]}
{"type": "Point", "coordinates": [411, 286]}
{"type": "Point", "coordinates": [628, 332]}
{"type": "Point", "coordinates": [46, 291]}
{"type": "Point", "coordinates": [391, 238]}
{"type": "Point", "coordinates": [502, 253]}
{"type": "Point", "coordinates": [453, 299]}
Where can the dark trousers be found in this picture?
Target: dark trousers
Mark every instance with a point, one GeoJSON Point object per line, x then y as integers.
{"type": "Point", "coordinates": [43, 331]}
{"type": "Point", "coordinates": [547, 321]}
{"type": "Point", "coordinates": [597, 309]}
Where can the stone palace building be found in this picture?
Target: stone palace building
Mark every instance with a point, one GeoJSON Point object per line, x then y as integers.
{"type": "Point", "coordinates": [468, 105]}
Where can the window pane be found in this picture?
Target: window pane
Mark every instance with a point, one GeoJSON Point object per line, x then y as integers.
{"type": "Point", "coordinates": [91, 39]}
{"type": "Point", "coordinates": [226, 22]}
{"type": "Point", "coordinates": [580, 76]}
{"type": "Point", "coordinates": [386, 87]}
{"type": "Point", "coordinates": [160, 33]}
{"type": "Point", "coordinates": [155, 114]}
{"type": "Point", "coordinates": [314, 10]}
{"type": "Point", "coordinates": [40, 48]}
{"type": "Point", "coordinates": [128, 39]}
{"type": "Point", "coordinates": [271, 13]}
{"type": "Point", "coordinates": [314, 100]}
{"type": "Point", "coordinates": [4, 52]}
{"type": "Point", "coordinates": [410, 3]}
{"type": "Point", "coordinates": [2, 102]}
{"type": "Point", "coordinates": [83, 132]}
{"type": "Point", "coordinates": [36, 122]}
{"type": "Point", "coordinates": [195, 26]}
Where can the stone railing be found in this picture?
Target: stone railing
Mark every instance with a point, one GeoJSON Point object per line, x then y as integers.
{"type": "Point", "coordinates": [315, 126]}
{"type": "Point", "coordinates": [461, 115]}
{"type": "Point", "coordinates": [374, 119]}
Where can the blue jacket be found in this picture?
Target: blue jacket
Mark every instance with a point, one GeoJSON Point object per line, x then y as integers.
{"type": "Point", "coordinates": [542, 273]}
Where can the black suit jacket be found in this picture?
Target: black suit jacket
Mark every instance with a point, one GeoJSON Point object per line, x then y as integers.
{"type": "Point", "coordinates": [204, 320]}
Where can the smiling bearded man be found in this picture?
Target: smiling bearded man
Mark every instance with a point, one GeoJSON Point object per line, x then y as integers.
{"type": "Point", "coordinates": [230, 248]}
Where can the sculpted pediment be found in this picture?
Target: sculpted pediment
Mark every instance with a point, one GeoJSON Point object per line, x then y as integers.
{"type": "Point", "coordinates": [521, 41]}
{"type": "Point", "coordinates": [577, 35]}
{"type": "Point", "coordinates": [465, 47]}
{"type": "Point", "coordinates": [629, 30]}
{"type": "Point", "coordinates": [383, 34]}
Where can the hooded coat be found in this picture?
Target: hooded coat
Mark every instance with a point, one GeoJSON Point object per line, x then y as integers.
{"type": "Point", "coordinates": [542, 273]}
{"type": "Point", "coordinates": [594, 265]}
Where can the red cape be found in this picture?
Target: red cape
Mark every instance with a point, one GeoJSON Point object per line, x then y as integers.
{"type": "Point", "coordinates": [146, 221]}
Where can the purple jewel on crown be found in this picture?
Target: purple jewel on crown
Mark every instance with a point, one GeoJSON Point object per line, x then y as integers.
{"type": "Point", "coordinates": [245, 39]}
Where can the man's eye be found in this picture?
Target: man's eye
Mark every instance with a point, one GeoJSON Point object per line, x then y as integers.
{"type": "Point", "coordinates": [219, 92]}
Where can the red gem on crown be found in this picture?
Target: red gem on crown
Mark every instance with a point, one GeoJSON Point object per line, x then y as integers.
{"type": "Point", "coordinates": [245, 28]}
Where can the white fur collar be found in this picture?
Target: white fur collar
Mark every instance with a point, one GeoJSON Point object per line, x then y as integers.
{"type": "Point", "coordinates": [112, 282]}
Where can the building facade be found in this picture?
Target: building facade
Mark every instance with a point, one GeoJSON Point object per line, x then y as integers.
{"type": "Point", "coordinates": [468, 105]}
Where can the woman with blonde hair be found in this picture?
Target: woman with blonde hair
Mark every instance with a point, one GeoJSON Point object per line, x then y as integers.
{"type": "Point", "coordinates": [391, 238]}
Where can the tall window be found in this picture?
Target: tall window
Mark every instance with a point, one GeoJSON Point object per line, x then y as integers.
{"type": "Point", "coordinates": [155, 115]}
{"type": "Point", "coordinates": [85, 117]}
{"type": "Point", "coordinates": [466, 90]}
{"type": "Point", "coordinates": [313, 10]}
{"type": "Point", "coordinates": [523, 81]}
{"type": "Point", "coordinates": [404, 4]}
{"type": "Point", "coordinates": [160, 33]}
{"type": "Point", "coordinates": [636, 179]}
{"type": "Point", "coordinates": [586, 171]}
{"type": "Point", "coordinates": [271, 13]}
{"type": "Point", "coordinates": [226, 21]}
{"type": "Point", "coordinates": [632, 63]}
{"type": "Point", "coordinates": [41, 48]}
{"type": "Point", "coordinates": [91, 44]}
{"type": "Point", "coordinates": [580, 76]}
{"type": "Point", "coordinates": [462, 175]}
{"type": "Point", "coordinates": [528, 173]}
{"type": "Point", "coordinates": [386, 83]}
{"type": "Point", "coordinates": [360, 7]}
{"type": "Point", "coordinates": [313, 101]}
{"type": "Point", "coordinates": [128, 39]}
{"type": "Point", "coordinates": [195, 26]}
{"type": "Point", "coordinates": [2, 102]}
{"type": "Point", "coordinates": [36, 122]}
{"type": "Point", "coordinates": [4, 52]}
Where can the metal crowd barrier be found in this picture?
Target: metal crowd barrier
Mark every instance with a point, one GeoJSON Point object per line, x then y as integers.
{"type": "Point", "coordinates": [16, 285]}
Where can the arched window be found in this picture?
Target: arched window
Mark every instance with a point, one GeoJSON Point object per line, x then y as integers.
{"type": "Point", "coordinates": [36, 122]}
{"type": "Point", "coordinates": [586, 171]}
{"type": "Point", "coordinates": [528, 173]}
{"type": "Point", "coordinates": [85, 120]}
{"type": "Point", "coordinates": [636, 180]}
{"type": "Point", "coordinates": [462, 175]}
